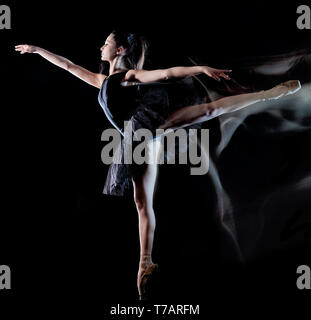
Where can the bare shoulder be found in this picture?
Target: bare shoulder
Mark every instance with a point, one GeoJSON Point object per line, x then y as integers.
{"type": "Point", "coordinates": [131, 75]}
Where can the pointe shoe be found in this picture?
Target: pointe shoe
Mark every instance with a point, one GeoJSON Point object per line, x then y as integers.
{"type": "Point", "coordinates": [143, 278]}
{"type": "Point", "coordinates": [281, 90]}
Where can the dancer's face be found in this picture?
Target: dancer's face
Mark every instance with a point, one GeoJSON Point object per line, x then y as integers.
{"type": "Point", "coordinates": [110, 50]}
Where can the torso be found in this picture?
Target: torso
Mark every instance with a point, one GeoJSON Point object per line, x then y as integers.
{"type": "Point", "coordinates": [118, 102]}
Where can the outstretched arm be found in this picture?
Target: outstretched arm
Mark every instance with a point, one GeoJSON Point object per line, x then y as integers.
{"type": "Point", "coordinates": [94, 79]}
{"type": "Point", "coordinates": [175, 72]}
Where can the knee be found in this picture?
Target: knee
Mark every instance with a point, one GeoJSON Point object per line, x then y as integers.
{"type": "Point", "coordinates": [140, 202]}
{"type": "Point", "coordinates": [212, 109]}
{"type": "Point", "coordinates": [140, 205]}
{"type": "Point", "coordinates": [143, 206]}
{"type": "Point", "coordinates": [209, 108]}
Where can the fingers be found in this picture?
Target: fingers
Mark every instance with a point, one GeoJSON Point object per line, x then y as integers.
{"type": "Point", "coordinates": [19, 48]}
{"type": "Point", "coordinates": [222, 74]}
{"type": "Point", "coordinates": [225, 76]}
{"type": "Point", "coordinates": [22, 48]}
{"type": "Point", "coordinates": [217, 74]}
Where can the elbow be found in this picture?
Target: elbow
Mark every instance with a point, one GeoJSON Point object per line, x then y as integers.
{"type": "Point", "coordinates": [68, 66]}
{"type": "Point", "coordinates": [166, 74]}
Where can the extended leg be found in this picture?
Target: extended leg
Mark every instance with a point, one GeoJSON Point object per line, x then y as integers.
{"type": "Point", "coordinates": [203, 112]}
{"type": "Point", "coordinates": [199, 113]}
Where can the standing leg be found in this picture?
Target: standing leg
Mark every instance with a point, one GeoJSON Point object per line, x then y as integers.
{"type": "Point", "coordinates": [143, 197]}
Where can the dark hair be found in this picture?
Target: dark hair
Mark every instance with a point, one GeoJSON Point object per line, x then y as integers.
{"type": "Point", "coordinates": [135, 46]}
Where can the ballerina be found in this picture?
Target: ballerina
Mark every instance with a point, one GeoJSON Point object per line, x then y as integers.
{"type": "Point", "coordinates": [125, 53]}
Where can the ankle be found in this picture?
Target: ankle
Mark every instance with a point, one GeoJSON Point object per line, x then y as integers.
{"type": "Point", "coordinates": [145, 261]}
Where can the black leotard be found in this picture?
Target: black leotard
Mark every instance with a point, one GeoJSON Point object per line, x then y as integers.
{"type": "Point", "coordinates": [144, 106]}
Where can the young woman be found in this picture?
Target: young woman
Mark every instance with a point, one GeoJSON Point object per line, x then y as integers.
{"type": "Point", "coordinates": [125, 53]}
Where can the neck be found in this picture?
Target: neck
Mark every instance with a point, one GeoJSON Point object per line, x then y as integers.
{"type": "Point", "coordinates": [116, 66]}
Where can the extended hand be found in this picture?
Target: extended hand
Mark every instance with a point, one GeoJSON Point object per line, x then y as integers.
{"type": "Point", "coordinates": [25, 48]}
{"type": "Point", "coordinates": [216, 73]}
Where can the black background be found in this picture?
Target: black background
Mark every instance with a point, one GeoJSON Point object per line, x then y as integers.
{"type": "Point", "coordinates": [67, 244]}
